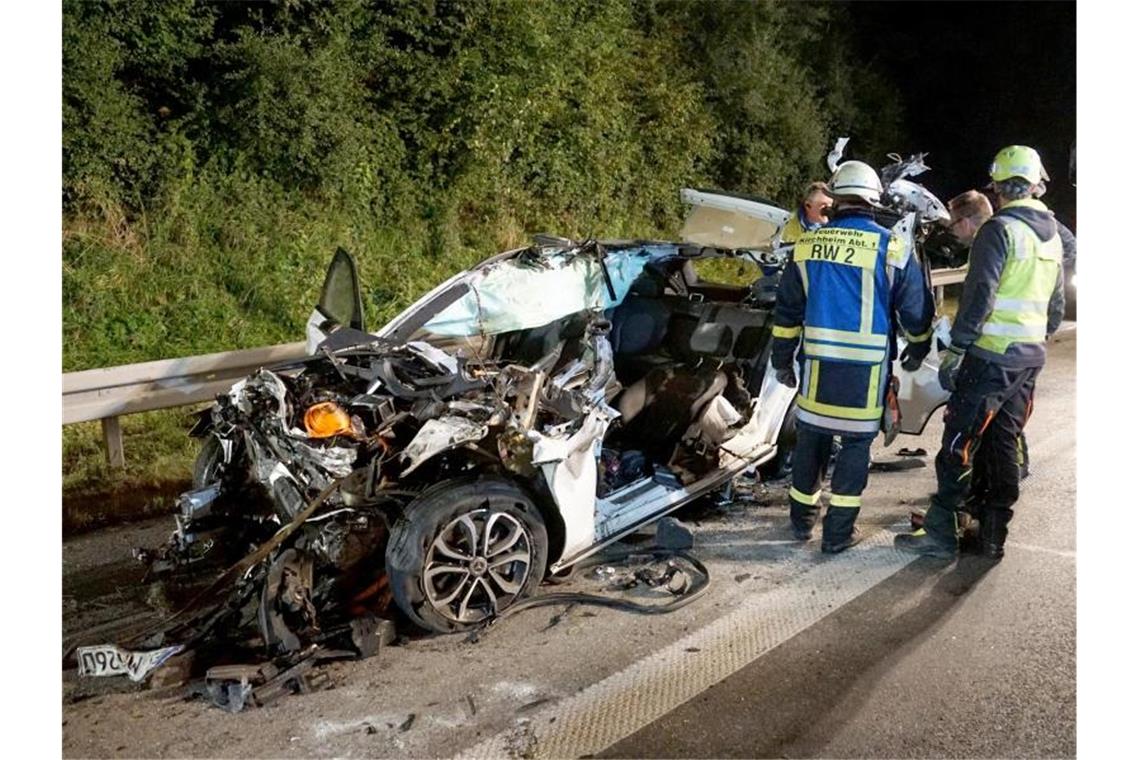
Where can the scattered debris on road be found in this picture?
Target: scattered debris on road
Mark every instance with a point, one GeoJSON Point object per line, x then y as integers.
{"type": "Point", "coordinates": [897, 465]}
{"type": "Point", "coordinates": [110, 660]}
{"type": "Point", "coordinates": [671, 534]}
{"type": "Point", "coordinates": [234, 687]}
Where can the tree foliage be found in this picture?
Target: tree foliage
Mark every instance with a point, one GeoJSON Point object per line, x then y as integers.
{"type": "Point", "coordinates": [215, 153]}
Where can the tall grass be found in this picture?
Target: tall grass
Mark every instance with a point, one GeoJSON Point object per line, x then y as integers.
{"type": "Point", "coordinates": [240, 265]}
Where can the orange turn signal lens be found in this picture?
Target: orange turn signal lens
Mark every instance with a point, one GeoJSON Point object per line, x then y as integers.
{"type": "Point", "coordinates": [325, 420]}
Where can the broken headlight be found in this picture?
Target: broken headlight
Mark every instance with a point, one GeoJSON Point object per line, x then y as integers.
{"type": "Point", "coordinates": [327, 419]}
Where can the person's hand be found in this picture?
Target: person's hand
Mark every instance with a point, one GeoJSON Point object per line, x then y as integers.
{"type": "Point", "coordinates": [787, 376]}
{"type": "Point", "coordinates": [913, 355]}
{"type": "Point", "coordinates": [948, 369]}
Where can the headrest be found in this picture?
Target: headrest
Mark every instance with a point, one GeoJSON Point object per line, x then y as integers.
{"type": "Point", "coordinates": [649, 284]}
{"type": "Point", "coordinates": [711, 339]}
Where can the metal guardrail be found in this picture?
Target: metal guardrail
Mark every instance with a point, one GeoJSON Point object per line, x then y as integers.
{"type": "Point", "coordinates": [942, 277]}
{"type": "Point", "coordinates": [109, 393]}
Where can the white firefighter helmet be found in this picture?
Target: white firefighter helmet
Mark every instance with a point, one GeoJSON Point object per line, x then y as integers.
{"type": "Point", "coordinates": [855, 179]}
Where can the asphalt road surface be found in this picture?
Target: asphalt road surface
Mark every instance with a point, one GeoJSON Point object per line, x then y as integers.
{"type": "Point", "coordinates": [973, 661]}
{"type": "Point", "coordinates": [791, 653]}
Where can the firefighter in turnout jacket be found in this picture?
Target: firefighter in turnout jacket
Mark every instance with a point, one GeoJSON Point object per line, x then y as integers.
{"type": "Point", "coordinates": [1012, 299]}
{"type": "Point", "coordinates": [838, 303]}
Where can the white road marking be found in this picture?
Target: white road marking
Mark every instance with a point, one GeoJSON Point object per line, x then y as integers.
{"type": "Point", "coordinates": [1042, 549]}
{"type": "Point", "coordinates": [615, 707]}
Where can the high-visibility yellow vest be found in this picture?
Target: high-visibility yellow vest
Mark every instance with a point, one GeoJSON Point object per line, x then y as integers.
{"type": "Point", "coordinates": [1021, 304]}
{"type": "Point", "coordinates": [793, 230]}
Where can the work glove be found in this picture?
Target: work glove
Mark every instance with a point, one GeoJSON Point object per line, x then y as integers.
{"type": "Point", "coordinates": [948, 369]}
{"type": "Point", "coordinates": [787, 376]}
{"type": "Point", "coordinates": [913, 354]}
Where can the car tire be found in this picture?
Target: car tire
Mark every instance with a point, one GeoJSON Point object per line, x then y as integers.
{"type": "Point", "coordinates": [445, 582]}
{"type": "Point", "coordinates": [209, 463]}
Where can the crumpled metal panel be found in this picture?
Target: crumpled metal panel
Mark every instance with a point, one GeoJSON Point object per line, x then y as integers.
{"type": "Point", "coordinates": [569, 465]}
{"type": "Point", "coordinates": [911, 196]}
{"type": "Point", "coordinates": [836, 154]}
{"type": "Point", "coordinates": [439, 435]}
{"type": "Point", "coordinates": [336, 460]}
{"type": "Point", "coordinates": [920, 393]}
{"type": "Point", "coordinates": [764, 422]}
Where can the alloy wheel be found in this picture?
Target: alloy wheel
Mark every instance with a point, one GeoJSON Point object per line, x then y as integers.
{"type": "Point", "coordinates": [477, 565]}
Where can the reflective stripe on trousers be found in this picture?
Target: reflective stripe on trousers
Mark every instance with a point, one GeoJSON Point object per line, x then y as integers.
{"type": "Point", "coordinates": [848, 479]}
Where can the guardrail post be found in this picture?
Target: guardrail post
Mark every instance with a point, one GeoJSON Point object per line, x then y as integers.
{"type": "Point", "coordinates": [938, 294]}
{"type": "Point", "coordinates": [113, 441]}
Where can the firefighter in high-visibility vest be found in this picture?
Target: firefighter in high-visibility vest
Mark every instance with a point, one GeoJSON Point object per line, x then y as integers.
{"type": "Point", "coordinates": [811, 214]}
{"type": "Point", "coordinates": [1012, 300]}
{"type": "Point", "coordinates": [839, 302]}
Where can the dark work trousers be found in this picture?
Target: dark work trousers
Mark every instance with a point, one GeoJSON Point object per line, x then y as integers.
{"type": "Point", "coordinates": [990, 454]}
{"type": "Point", "coordinates": [848, 479]}
{"type": "Point", "coordinates": [981, 475]}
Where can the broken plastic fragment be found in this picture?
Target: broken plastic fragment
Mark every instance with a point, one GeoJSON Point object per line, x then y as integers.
{"type": "Point", "coordinates": [671, 534]}
{"type": "Point", "coordinates": [836, 153]}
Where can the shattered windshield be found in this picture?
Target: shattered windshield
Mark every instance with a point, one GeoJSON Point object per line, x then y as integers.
{"type": "Point", "coordinates": [542, 285]}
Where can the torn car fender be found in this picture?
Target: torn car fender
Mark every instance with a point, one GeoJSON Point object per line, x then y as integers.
{"type": "Point", "coordinates": [439, 435]}
{"type": "Point", "coordinates": [569, 465]}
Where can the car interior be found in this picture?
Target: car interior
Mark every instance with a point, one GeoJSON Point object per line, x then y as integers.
{"type": "Point", "coordinates": [678, 343]}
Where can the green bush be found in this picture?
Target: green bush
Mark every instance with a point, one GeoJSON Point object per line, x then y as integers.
{"type": "Point", "coordinates": [215, 154]}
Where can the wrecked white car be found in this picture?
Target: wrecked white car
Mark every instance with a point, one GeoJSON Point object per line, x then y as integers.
{"type": "Point", "coordinates": [514, 421]}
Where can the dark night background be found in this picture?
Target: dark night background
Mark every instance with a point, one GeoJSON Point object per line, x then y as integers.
{"type": "Point", "coordinates": [974, 77]}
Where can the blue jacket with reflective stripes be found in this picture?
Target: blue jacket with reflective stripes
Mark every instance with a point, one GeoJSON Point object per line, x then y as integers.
{"type": "Point", "coordinates": [841, 300]}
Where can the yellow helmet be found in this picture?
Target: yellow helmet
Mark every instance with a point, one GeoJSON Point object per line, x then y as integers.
{"type": "Point", "coordinates": [1018, 161]}
{"type": "Point", "coordinates": [855, 178]}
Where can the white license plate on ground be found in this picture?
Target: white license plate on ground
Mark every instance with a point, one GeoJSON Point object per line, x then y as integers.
{"type": "Point", "coordinates": [110, 660]}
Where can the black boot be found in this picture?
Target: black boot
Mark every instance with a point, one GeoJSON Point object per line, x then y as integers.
{"type": "Point", "coordinates": [837, 545]}
{"type": "Point", "coordinates": [938, 537]}
{"type": "Point", "coordinates": [995, 528]}
{"type": "Point", "coordinates": [839, 532]}
{"type": "Point", "coordinates": [803, 519]}
{"type": "Point", "coordinates": [969, 533]}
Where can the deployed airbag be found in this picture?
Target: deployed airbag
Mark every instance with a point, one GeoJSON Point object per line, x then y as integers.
{"type": "Point", "coordinates": [527, 292]}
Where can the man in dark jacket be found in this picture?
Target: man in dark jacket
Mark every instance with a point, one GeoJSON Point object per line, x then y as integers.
{"type": "Point", "coordinates": [811, 213]}
{"type": "Point", "coordinates": [1013, 298]}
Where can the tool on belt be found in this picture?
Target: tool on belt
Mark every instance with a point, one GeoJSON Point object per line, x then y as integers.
{"type": "Point", "coordinates": [991, 404]}
{"type": "Point", "coordinates": [891, 422]}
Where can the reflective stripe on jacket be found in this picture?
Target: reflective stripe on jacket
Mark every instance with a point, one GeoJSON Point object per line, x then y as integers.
{"type": "Point", "coordinates": [848, 281]}
{"type": "Point", "coordinates": [1021, 303]}
{"type": "Point", "coordinates": [999, 312]}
